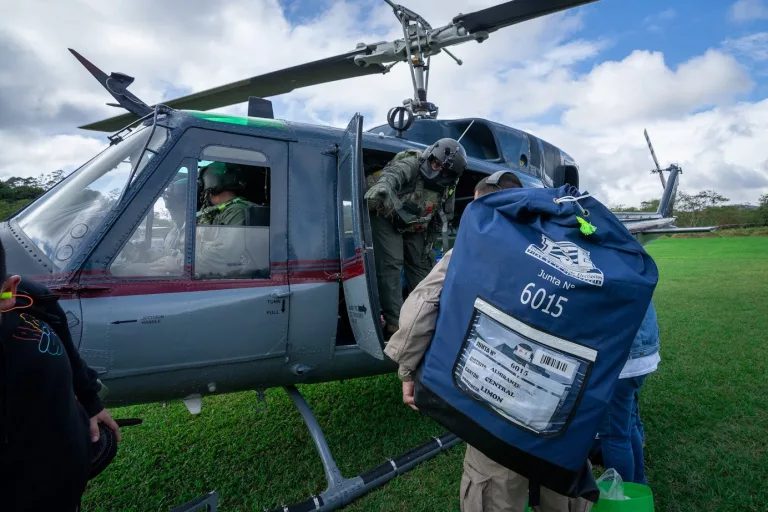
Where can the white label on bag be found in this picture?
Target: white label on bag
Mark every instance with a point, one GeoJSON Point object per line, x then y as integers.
{"type": "Point", "coordinates": [513, 388]}
{"type": "Point", "coordinates": [527, 376]}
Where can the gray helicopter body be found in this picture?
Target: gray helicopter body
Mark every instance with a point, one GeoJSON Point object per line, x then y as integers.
{"type": "Point", "coordinates": [153, 338]}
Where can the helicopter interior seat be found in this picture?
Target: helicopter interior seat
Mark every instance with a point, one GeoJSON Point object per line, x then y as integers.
{"type": "Point", "coordinates": [257, 215]}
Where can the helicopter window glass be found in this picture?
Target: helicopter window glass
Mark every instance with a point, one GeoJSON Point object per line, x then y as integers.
{"type": "Point", "coordinates": [60, 221]}
{"type": "Point", "coordinates": [157, 141]}
{"type": "Point", "coordinates": [234, 155]}
{"type": "Point", "coordinates": [156, 247]}
{"type": "Point", "coordinates": [232, 232]}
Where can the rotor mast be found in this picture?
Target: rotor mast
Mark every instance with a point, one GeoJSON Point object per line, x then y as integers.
{"type": "Point", "coordinates": [416, 36]}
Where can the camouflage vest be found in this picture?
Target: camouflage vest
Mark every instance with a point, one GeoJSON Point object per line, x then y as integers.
{"type": "Point", "coordinates": [415, 206]}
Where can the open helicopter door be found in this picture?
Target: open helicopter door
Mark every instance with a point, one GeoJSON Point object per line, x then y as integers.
{"type": "Point", "coordinates": [358, 270]}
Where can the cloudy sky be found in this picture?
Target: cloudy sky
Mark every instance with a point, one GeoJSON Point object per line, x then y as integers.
{"type": "Point", "coordinates": [694, 73]}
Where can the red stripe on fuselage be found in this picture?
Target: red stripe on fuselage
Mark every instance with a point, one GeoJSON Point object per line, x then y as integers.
{"type": "Point", "coordinates": [186, 285]}
{"type": "Point", "coordinates": [354, 270]}
{"type": "Point", "coordinates": [283, 274]}
{"type": "Point", "coordinates": [352, 261]}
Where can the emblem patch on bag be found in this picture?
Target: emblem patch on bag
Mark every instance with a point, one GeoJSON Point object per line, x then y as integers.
{"type": "Point", "coordinates": [568, 258]}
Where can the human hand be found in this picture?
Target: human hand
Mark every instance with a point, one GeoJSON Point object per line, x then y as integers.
{"type": "Point", "coordinates": [378, 196]}
{"type": "Point", "coordinates": [408, 395]}
{"type": "Point", "coordinates": [106, 418]}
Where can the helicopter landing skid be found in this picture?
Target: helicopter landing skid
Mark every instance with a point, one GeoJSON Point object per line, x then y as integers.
{"type": "Point", "coordinates": [340, 491]}
{"type": "Point", "coordinates": [343, 491]}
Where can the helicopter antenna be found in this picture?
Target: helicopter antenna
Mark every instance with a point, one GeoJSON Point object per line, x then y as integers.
{"type": "Point", "coordinates": [653, 154]}
{"type": "Point", "coordinates": [465, 131]}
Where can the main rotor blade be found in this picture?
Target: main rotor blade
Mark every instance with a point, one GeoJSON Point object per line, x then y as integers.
{"type": "Point", "coordinates": [510, 13]}
{"type": "Point", "coordinates": [335, 68]}
{"type": "Point", "coordinates": [653, 153]}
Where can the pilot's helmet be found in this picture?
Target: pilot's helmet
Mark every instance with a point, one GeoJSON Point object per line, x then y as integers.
{"type": "Point", "coordinates": [450, 158]}
{"type": "Point", "coordinates": [217, 177]}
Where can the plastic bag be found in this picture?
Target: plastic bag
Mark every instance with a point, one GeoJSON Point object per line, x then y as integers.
{"type": "Point", "coordinates": [611, 486]}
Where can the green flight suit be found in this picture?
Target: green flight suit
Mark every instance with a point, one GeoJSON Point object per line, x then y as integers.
{"type": "Point", "coordinates": [222, 252]}
{"type": "Point", "coordinates": [400, 234]}
{"type": "Point", "coordinates": [231, 213]}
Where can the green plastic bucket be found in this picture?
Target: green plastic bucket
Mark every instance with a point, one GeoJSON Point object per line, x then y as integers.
{"type": "Point", "coordinates": [640, 500]}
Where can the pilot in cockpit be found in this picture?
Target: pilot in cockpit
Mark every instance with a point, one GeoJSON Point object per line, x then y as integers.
{"type": "Point", "coordinates": [222, 185]}
{"type": "Point", "coordinates": [222, 242]}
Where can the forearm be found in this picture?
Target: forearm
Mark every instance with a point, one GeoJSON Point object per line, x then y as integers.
{"type": "Point", "coordinates": [409, 344]}
{"type": "Point", "coordinates": [396, 174]}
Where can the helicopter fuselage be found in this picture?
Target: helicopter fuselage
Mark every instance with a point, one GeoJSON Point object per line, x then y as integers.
{"type": "Point", "coordinates": [166, 336]}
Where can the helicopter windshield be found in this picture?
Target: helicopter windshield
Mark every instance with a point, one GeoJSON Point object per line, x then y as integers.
{"type": "Point", "coordinates": [59, 222]}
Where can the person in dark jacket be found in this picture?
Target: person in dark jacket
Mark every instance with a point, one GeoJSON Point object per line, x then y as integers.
{"type": "Point", "coordinates": [49, 403]}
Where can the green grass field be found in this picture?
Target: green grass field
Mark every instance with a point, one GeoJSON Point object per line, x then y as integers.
{"type": "Point", "coordinates": [705, 410]}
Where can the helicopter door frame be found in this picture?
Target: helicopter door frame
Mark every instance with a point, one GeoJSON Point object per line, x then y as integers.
{"type": "Point", "coordinates": [358, 269]}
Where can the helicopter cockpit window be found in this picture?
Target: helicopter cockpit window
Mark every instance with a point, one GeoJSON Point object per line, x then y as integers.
{"type": "Point", "coordinates": [233, 211]}
{"type": "Point", "coordinates": [157, 245]}
{"type": "Point", "coordinates": [62, 219]}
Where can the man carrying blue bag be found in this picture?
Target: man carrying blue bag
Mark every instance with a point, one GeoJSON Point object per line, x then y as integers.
{"type": "Point", "coordinates": [542, 299]}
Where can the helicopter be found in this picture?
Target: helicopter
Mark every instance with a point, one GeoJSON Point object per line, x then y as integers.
{"type": "Point", "coordinates": [290, 297]}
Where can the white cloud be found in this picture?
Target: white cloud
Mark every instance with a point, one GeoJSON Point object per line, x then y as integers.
{"type": "Point", "coordinates": [35, 154]}
{"type": "Point", "coordinates": [519, 75]}
{"type": "Point", "coordinates": [667, 14]}
{"type": "Point", "coordinates": [752, 46]}
{"type": "Point", "coordinates": [745, 10]}
{"type": "Point", "coordinates": [642, 87]}
{"type": "Point", "coordinates": [654, 22]}
{"type": "Point", "coordinates": [722, 149]}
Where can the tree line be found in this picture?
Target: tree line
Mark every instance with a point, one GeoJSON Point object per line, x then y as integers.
{"type": "Point", "coordinates": [707, 208]}
{"type": "Point", "coordinates": [15, 192]}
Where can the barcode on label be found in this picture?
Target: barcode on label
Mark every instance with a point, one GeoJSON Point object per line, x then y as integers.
{"type": "Point", "coordinates": [554, 364]}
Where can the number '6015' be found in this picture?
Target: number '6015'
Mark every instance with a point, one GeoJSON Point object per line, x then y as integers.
{"type": "Point", "coordinates": [537, 298]}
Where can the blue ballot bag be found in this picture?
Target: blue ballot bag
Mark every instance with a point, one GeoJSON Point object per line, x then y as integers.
{"type": "Point", "coordinates": [543, 296]}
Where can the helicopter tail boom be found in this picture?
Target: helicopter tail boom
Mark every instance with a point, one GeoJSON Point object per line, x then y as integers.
{"type": "Point", "coordinates": [667, 202]}
{"type": "Point", "coordinates": [662, 221]}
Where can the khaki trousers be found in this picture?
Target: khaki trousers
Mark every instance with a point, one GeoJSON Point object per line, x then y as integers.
{"type": "Point", "coordinates": [487, 486]}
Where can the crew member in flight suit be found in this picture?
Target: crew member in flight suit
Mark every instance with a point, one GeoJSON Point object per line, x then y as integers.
{"type": "Point", "coordinates": [486, 486]}
{"type": "Point", "coordinates": [403, 199]}
{"type": "Point", "coordinates": [221, 251]}
{"type": "Point", "coordinates": [221, 185]}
